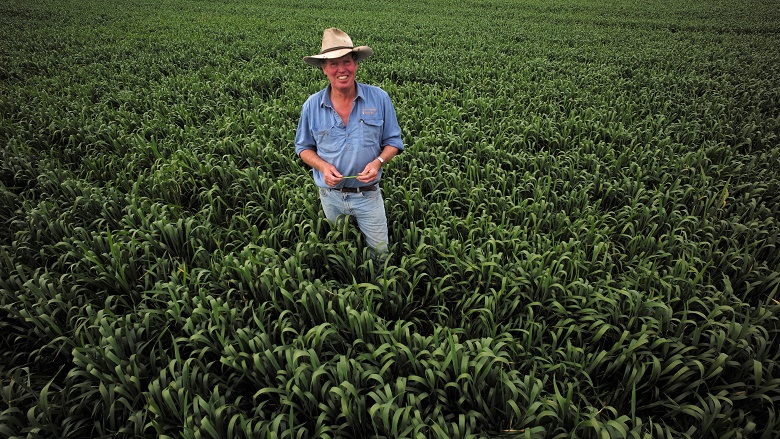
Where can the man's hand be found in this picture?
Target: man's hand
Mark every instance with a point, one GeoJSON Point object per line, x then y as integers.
{"type": "Point", "coordinates": [331, 175]}
{"type": "Point", "coordinates": [370, 172]}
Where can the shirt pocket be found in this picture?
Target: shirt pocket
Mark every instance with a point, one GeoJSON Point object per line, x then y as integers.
{"type": "Point", "coordinates": [325, 140]}
{"type": "Point", "coordinates": [372, 132]}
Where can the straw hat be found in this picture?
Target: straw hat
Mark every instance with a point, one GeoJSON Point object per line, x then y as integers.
{"type": "Point", "coordinates": [335, 44]}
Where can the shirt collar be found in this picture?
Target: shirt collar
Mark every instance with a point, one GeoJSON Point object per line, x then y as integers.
{"type": "Point", "coordinates": [326, 102]}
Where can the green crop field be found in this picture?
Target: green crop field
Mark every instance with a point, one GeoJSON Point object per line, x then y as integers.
{"type": "Point", "coordinates": [585, 223]}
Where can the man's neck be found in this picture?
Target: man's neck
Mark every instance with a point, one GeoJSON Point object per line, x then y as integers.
{"type": "Point", "coordinates": [345, 96]}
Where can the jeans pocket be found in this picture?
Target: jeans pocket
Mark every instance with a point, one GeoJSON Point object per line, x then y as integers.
{"type": "Point", "coordinates": [371, 195]}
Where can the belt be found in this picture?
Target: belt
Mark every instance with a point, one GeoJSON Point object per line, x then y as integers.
{"type": "Point", "coordinates": [356, 190]}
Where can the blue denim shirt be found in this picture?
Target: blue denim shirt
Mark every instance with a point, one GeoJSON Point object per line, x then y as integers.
{"type": "Point", "coordinates": [372, 125]}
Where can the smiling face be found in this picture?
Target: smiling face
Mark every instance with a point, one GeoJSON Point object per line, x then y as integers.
{"type": "Point", "coordinates": [341, 72]}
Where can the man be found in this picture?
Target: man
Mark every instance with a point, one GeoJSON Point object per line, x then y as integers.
{"type": "Point", "coordinates": [346, 133]}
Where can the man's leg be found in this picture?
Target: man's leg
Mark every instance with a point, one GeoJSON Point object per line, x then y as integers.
{"type": "Point", "coordinates": [333, 206]}
{"type": "Point", "coordinates": [368, 209]}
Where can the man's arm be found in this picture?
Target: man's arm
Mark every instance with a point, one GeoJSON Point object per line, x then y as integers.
{"type": "Point", "coordinates": [388, 152]}
{"type": "Point", "coordinates": [331, 175]}
{"type": "Point", "coordinates": [371, 171]}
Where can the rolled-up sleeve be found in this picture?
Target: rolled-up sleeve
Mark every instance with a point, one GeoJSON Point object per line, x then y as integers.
{"type": "Point", "coordinates": [392, 130]}
{"type": "Point", "coordinates": [304, 140]}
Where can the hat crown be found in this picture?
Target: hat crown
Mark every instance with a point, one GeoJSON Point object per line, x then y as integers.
{"type": "Point", "coordinates": [335, 44]}
{"type": "Point", "coordinates": [333, 39]}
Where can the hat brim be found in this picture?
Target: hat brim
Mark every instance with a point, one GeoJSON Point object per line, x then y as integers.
{"type": "Point", "coordinates": [362, 53]}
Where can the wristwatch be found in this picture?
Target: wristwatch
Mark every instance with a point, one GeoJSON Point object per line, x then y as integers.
{"type": "Point", "coordinates": [380, 160]}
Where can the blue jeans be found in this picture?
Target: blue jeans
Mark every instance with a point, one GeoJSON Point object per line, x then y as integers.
{"type": "Point", "coordinates": [368, 209]}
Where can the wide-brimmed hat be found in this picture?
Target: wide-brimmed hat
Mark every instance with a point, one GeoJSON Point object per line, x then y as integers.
{"type": "Point", "coordinates": [335, 44]}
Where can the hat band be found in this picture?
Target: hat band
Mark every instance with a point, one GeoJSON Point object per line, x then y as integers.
{"type": "Point", "coordinates": [331, 49]}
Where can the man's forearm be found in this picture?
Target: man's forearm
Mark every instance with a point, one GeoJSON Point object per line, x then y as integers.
{"type": "Point", "coordinates": [312, 159]}
{"type": "Point", "coordinates": [388, 152]}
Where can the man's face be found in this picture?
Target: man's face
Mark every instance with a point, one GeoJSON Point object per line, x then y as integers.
{"type": "Point", "coordinates": [341, 71]}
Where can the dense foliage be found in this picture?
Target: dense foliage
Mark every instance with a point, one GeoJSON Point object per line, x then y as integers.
{"type": "Point", "coordinates": [585, 222]}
